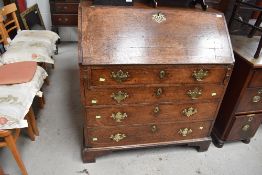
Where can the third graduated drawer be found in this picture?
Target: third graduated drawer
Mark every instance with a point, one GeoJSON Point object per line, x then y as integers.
{"type": "Point", "coordinates": [135, 95]}
{"type": "Point", "coordinates": [150, 133]}
{"type": "Point", "coordinates": [135, 75]}
{"type": "Point", "coordinates": [151, 113]}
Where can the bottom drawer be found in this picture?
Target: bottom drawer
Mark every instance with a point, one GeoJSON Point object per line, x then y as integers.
{"type": "Point", "coordinates": [65, 19]}
{"type": "Point", "coordinates": [141, 134]}
{"type": "Point", "coordinates": [244, 126]}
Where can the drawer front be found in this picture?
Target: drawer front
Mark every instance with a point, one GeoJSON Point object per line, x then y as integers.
{"type": "Point", "coordinates": [66, 8]}
{"type": "Point", "coordinates": [256, 80]}
{"type": "Point", "coordinates": [69, 20]}
{"type": "Point", "coordinates": [116, 96]}
{"type": "Point", "coordinates": [124, 75]}
{"type": "Point", "coordinates": [143, 114]}
{"type": "Point", "coordinates": [244, 126]}
{"type": "Point", "coordinates": [151, 133]}
{"type": "Point", "coordinates": [251, 100]}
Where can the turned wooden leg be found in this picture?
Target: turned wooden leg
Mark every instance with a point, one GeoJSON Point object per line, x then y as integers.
{"type": "Point", "coordinates": [217, 142]}
{"type": "Point", "coordinates": [246, 141]}
{"type": "Point", "coordinates": [31, 115]}
{"type": "Point", "coordinates": [12, 146]}
{"type": "Point", "coordinates": [53, 66]}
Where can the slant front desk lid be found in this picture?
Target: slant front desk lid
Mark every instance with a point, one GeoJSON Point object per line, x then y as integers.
{"type": "Point", "coordinates": [121, 35]}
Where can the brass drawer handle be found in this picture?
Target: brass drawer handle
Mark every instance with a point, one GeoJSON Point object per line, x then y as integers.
{"type": "Point", "coordinates": [66, 19]}
{"type": "Point", "coordinates": [195, 93]}
{"type": "Point", "coordinates": [245, 127]}
{"type": "Point", "coordinates": [59, 19]}
{"type": "Point", "coordinates": [188, 112]}
{"type": "Point", "coordinates": [162, 74]}
{"type": "Point", "coordinates": [118, 117]}
{"type": "Point", "coordinates": [119, 96]}
{"type": "Point", "coordinates": [154, 128]}
{"type": "Point", "coordinates": [119, 76]}
{"type": "Point", "coordinates": [200, 75]}
{"type": "Point", "coordinates": [156, 110]}
{"type": "Point", "coordinates": [117, 137]}
{"type": "Point", "coordinates": [256, 99]}
{"type": "Point", "coordinates": [185, 131]}
{"type": "Point", "coordinates": [159, 92]}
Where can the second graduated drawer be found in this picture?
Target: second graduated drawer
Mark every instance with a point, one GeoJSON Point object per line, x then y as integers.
{"type": "Point", "coordinates": [135, 95]}
{"type": "Point", "coordinates": [143, 114]}
{"type": "Point", "coordinates": [136, 75]}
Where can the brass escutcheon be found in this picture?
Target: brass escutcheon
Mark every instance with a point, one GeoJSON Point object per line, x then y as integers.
{"type": "Point", "coordinates": [184, 132]}
{"type": "Point", "coordinates": [159, 92]}
{"type": "Point", "coordinates": [153, 128]}
{"type": "Point", "coordinates": [200, 74]}
{"type": "Point", "coordinates": [189, 111]}
{"type": "Point", "coordinates": [117, 137]}
{"type": "Point", "coordinates": [194, 94]}
{"type": "Point", "coordinates": [156, 110]}
{"type": "Point", "coordinates": [120, 76]}
{"type": "Point", "coordinates": [118, 117]}
{"type": "Point", "coordinates": [119, 96]}
{"type": "Point", "coordinates": [245, 127]}
{"type": "Point", "coordinates": [162, 74]}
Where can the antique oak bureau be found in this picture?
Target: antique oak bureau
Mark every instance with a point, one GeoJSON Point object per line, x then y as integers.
{"type": "Point", "coordinates": [150, 77]}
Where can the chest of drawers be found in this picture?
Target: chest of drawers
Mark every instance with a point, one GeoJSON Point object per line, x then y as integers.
{"type": "Point", "coordinates": [240, 114]}
{"type": "Point", "coordinates": [150, 77]}
{"type": "Point", "coordinates": [63, 13]}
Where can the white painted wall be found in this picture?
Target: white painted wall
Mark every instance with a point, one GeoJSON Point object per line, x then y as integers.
{"type": "Point", "coordinates": [66, 33]}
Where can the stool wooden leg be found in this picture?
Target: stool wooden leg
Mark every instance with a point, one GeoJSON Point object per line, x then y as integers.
{"type": "Point", "coordinates": [30, 130]}
{"type": "Point", "coordinates": [47, 81]}
{"type": "Point", "coordinates": [12, 146]}
{"type": "Point", "coordinates": [32, 121]}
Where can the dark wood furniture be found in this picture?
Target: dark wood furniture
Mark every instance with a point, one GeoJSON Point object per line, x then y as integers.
{"type": "Point", "coordinates": [241, 110]}
{"type": "Point", "coordinates": [150, 77]}
{"type": "Point", "coordinates": [64, 13]}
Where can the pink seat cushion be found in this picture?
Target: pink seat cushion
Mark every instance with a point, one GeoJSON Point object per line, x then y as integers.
{"type": "Point", "coordinates": [15, 73]}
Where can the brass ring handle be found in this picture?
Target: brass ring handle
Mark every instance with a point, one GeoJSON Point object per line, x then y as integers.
{"type": "Point", "coordinates": [200, 75]}
{"type": "Point", "coordinates": [117, 137]}
{"type": "Point", "coordinates": [153, 128]}
{"type": "Point", "coordinates": [59, 19]}
{"type": "Point", "coordinates": [256, 99]}
{"type": "Point", "coordinates": [119, 76]}
{"type": "Point", "coordinates": [156, 110]}
{"type": "Point", "coordinates": [195, 93]}
{"type": "Point", "coordinates": [119, 96]}
{"type": "Point", "coordinates": [159, 92]}
{"type": "Point", "coordinates": [162, 74]}
{"type": "Point", "coordinates": [245, 127]}
{"type": "Point", "coordinates": [118, 117]}
{"type": "Point", "coordinates": [185, 131]}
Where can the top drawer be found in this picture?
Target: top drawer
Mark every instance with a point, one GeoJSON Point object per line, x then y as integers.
{"type": "Point", "coordinates": [66, 8]}
{"type": "Point", "coordinates": [134, 75]}
{"type": "Point", "coordinates": [256, 80]}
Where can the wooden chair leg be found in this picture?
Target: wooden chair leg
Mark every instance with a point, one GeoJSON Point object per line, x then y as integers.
{"type": "Point", "coordinates": [1, 171]}
{"type": "Point", "coordinates": [47, 81]}
{"type": "Point", "coordinates": [257, 24]}
{"type": "Point", "coordinates": [258, 48]}
{"type": "Point", "coordinates": [12, 146]}
{"type": "Point", "coordinates": [41, 102]}
{"type": "Point", "coordinates": [32, 121]}
{"type": "Point", "coordinates": [53, 66]}
{"type": "Point", "coordinates": [29, 129]}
